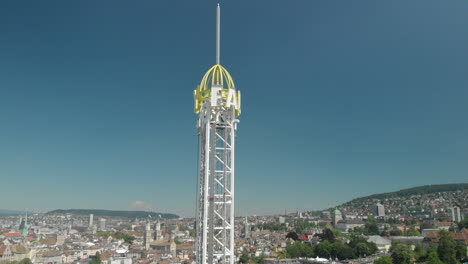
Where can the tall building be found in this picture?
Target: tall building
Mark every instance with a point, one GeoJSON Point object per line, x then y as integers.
{"type": "Point", "coordinates": [157, 231]}
{"type": "Point", "coordinates": [246, 227]}
{"type": "Point", "coordinates": [91, 220]}
{"type": "Point", "coordinates": [325, 215]}
{"type": "Point", "coordinates": [378, 210]}
{"type": "Point", "coordinates": [456, 216]}
{"type": "Point", "coordinates": [102, 224]}
{"type": "Point", "coordinates": [282, 220]}
{"type": "Point", "coordinates": [217, 102]}
{"type": "Point", "coordinates": [147, 236]}
{"type": "Point", "coordinates": [336, 216]}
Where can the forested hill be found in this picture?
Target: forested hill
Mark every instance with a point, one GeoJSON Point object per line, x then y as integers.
{"type": "Point", "coordinates": [427, 189]}
{"type": "Point", "coordinates": [129, 214]}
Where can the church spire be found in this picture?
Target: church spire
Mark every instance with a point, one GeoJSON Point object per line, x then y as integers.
{"type": "Point", "coordinates": [25, 226]}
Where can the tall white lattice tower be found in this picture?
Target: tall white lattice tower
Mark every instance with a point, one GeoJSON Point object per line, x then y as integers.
{"type": "Point", "coordinates": [218, 104]}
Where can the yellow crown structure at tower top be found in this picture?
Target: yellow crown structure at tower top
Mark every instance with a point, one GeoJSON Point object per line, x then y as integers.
{"type": "Point", "coordinates": [217, 77]}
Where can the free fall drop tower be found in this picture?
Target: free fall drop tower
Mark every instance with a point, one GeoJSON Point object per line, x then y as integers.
{"type": "Point", "coordinates": [217, 103]}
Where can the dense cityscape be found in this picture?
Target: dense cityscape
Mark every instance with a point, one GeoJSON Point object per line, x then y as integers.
{"type": "Point", "coordinates": [402, 229]}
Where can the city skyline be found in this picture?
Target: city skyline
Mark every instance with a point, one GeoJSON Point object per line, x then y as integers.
{"type": "Point", "coordinates": [343, 100]}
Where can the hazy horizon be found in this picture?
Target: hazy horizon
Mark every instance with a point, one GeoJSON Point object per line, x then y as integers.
{"type": "Point", "coordinates": [339, 100]}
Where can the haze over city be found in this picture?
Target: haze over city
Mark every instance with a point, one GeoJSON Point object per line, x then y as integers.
{"type": "Point", "coordinates": [340, 100]}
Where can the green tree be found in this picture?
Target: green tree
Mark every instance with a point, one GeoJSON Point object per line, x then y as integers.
{"type": "Point", "coordinates": [25, 261]}
{"type": "Point", "coordinates": [460, 250]}
{"type": "Point", "coordinates": [103, 234]}
{"type": "Point", "coordinates": [258, 259]}
{"type": "Point", "coordinates": [371, 226]}
{"type": "Point", "coordinates": [359, 231]}
{"type": "Point", "coordinates": [346, 253]}
{"type": "Point", "coordinates": [292, 235]}
{"type": "Point", "coordinates": [328, 235]}
{"type": "Point", "coordinates": [274, 227]}
{"type": "Point", "coordinates": [419, 253]}
{"type": "Point", "coordinates": [323, 249]}
{"type": "Point", "coordinates": [244, 258]}
{"type": "Point", "coordinates": [396, 232]}
{"type": "Point", "coordinates": [294, 250]}
{"type": "Point", "coordinates": [96, 259]}
{"type": "Point", "coordinates": [432, 256]}
{"type": "Point", "coordinates": [426, 226]}
{"type": "Point", "coordinates": [402, 254]}
{"type": "Point", "coordinates": [299, 249]}
{"type": "Point", "coordinates": [463, 224]}
{"type": "Point", "coordinates": [340, 251]}
{"type": "Point", "coordinates": [193, 232]}
{"type": "Point", "coordinates": [125, 237]}
{"type": "Point", "coordinates": [446, 249]}
{"type": "Point", "coordinates": [309, 251]}
{"type": "Point", "coordinates": [302, 226]}
{"type": "Point", "coordinates": [383, 260]}
{"type": "Point", "coordinates": [361, 249]}
{"type": "Point", "coordinates": [282, 254]}
{"type": "Point", "coordinates": [413, 232]}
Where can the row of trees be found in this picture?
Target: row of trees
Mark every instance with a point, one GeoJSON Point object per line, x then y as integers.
{"type": "Point", "coordinates": [410, 232]}
{"type": "Point", "coordinates": [463, 224]}
{"type": "Point", "coordinates": [117, 235]}
{"type": "Point", "coordinates": [300, 227]}
{"type": "Point", "coordinates": [274, 227]}
{"type": "Point", "coordinates": [357, 247]}
{"type": "Point", "coordinates": [23, 261]}
{"type": "Point", "coordinates": [370, 228]}
{"type": "Point", "coordinates": [245, 258]}
{"type": "Point", "coordinates": [447, 252]}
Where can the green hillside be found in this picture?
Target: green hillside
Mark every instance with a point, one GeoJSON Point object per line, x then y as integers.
{"type": "Point", "coordinates": [427, 189]}
{"type": "Point", "coordinates": [129, 214]}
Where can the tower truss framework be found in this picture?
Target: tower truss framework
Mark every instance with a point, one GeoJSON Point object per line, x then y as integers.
{"type": "Point", "coordinates": [218, 104]}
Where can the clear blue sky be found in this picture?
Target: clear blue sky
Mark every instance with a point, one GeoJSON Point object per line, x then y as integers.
{"type": "Point", "coordinates": [340, 99]}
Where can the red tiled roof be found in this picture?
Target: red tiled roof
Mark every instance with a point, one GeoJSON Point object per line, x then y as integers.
{"type": "Point", "coordinates": [444, 223]}
{"type": "Point", "coordinates": [460, 237]}
{"type": "Point", "coordinates": [432, 235]}
{"type": "Point", "coordinates": [2, 249]}
{"type": "Point", "coordinates": [303, 237]}
{"type": "Point", "coordinates": [12, 234]}
{"type": "Point", "coordinates": [457, 236]}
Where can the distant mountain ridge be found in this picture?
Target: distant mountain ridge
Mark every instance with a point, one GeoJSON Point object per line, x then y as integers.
{"type": "Point", "coordinates": [420, 190]}
{"type": "Point", "coordinates": [118, 213]}
{"type": "Point", "coordinates": [5, 212]}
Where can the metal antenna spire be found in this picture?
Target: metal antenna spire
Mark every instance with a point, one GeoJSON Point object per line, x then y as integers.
{"type": "Point", "coordinates": [218, 33]}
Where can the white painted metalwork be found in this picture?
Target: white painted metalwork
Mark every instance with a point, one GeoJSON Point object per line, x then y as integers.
{"type": "Point", "coordinates": [218, 105]}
